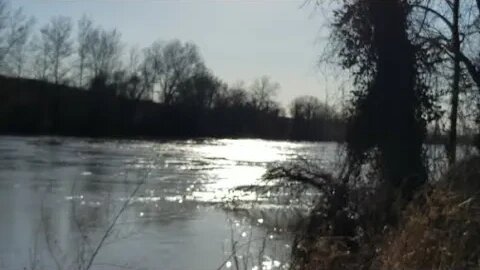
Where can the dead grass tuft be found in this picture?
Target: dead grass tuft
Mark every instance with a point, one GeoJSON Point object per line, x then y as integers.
{"type": "Point", "coordinates": [441, 228]}
{"type": "Point", "coordinates": [438, 229]}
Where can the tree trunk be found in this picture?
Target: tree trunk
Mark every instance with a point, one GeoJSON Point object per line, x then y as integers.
{"type": "Point", "coordinates": [80, 79]}
{"type": "Point", "coordinates": [56, 67]}
{"type": "Point", "coordinates": [452, 139]}
{"type": "Point", "coordinates": [401, 133]}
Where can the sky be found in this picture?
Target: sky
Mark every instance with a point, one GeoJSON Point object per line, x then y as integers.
{"type": "Point", "coordinates": [238, 39]}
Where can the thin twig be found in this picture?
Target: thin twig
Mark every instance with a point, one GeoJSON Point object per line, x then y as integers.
{"type": "Point", "coordinates": [114, 222]}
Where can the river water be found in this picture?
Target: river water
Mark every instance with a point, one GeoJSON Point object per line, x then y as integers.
{"type": "Point", "coordinates": [70, 203]}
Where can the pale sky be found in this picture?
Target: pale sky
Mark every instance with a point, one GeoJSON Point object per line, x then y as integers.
{"type": "Point", "coordinates": [238, 39]}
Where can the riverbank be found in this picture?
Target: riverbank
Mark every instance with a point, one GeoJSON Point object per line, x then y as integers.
{"type": "Point", "coordinates": [438, 229]}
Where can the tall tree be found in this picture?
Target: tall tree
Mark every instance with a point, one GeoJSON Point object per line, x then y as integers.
{"type": "Point", "coordinates": [263, 90]}
{"type": "Point", "coordinates": [387, 108]}
{"type": "Point", "coordinates": [84, 38]}
{"type": "Point", "coordinates": [138, 84]}
{"type": "Point", "coordinates": [311, 119]}
{"type": "Point", "coordinates": [235, 96]}
{"type": "Point", "coordinates": [56, 36]}
{"type": "Point", "coordinates": [173, 63]}
{"type": "Point", "coordinates": [309, 108]}
{"type": "Point", "coordinates": [40, 64]}
{"type": "Point", "coordinates": [199, 91]}
{"type": "Point", "coordinates": [15, 29]}
{"type": "Point", "coordinates": [20, 34]}
{"type": "Point", "coordinates": [104, 49]}
{"type": "Point", "coordinates": [450, 28]}
{"type": "Point", "coordinates": [452, 140]}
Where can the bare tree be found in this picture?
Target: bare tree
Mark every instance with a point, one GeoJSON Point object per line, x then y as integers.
{"type": "Point", "coordinates": [455, 45]}
{"type": "Point", "coordinates": [263, 91]}
{"type": "Point", "coordinates": [40, 62]}
{"type": "Point", "coordinates": [140, 81]}
{"type": "Point", "coordinates": [238, 94]}
{"type": "Point", "coordinates": [172, 64]}
{"type": "Point", "coordinates": [448, 30]}
{"type": "Point", "coordinates": [234, 96]}
{"type": "Point", "coordinates": [145, 66]}
{"type": "Point", "coordinates": [104, 49]}
{"type": "Point", "coordinates": [15, 28]}
{"type": "Point", "coordinates": [134, 60]}
{"type": "Point", "coordinates": [309, 108]}
{"type": "Point", "coordinates": [85, 29]}
{"type": "Point", "coordinates": [56, 36]}
{"type": "Point", "coordinates": [199, 91]}
{"type": "Point", "coordinates": [19, 33]}
{"type": "Point", "coordinates": [4, 46]}
{"type": "Point", "coordinates": [313, 119]}
{"type": "Point", "coordinates": [135, 81]}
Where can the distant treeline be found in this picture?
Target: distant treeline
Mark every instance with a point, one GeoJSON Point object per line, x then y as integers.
{"type": "Point", "coordinates": [29, 106]}
{"type": "Point", "coordinates": [79, 79]}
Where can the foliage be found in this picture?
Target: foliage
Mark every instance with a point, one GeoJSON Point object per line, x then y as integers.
{"type": "Point", "coordinates": [387, 117]}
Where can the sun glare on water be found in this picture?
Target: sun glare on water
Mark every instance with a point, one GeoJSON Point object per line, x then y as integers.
{"type": "Point", "coordinates": [238, 163]}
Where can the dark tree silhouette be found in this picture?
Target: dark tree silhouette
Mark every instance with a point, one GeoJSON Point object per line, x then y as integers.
{"type": "Point", "coordinates": [263, 91]}
{"type": "Point", "coordinates": [387, 108]}
{"type": "Point", "coordinates": [103, 51]}
{"type": "Point", "coordinates": [199, 91]}
{"type": "Point", "coordinates": [56, 36]}
{"type": "Point", "coordinates": [84, 33]}
{"type": "Point", "coordinates": [131, 95]}
{"type": "Point", "coordinates": [14, 34]}
{"type": "Point", "coordinates": [314, 119]}
{"type": "Point", "coordinates": [173, 63]}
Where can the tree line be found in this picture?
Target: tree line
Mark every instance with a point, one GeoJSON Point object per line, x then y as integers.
{"type": "Point", "coordinates": [414, 67]}
{"type": "Point", "coordinates": [172, 74]}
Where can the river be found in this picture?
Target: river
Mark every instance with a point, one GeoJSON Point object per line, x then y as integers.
{"type": "Point", "coordinates": [60, 196]}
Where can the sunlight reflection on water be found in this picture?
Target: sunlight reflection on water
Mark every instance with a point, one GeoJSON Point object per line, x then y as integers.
{"type": "Point", "coordinates": [235, 163]}
{"type": "Point", "coordinates": [52, 189]}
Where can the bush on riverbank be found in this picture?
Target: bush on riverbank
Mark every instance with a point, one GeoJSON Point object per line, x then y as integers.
{"type": "Point", "coordinates": [441, 228]}
{"type": "Point", "coordinates": [441, 233]}
{"type": "Point", "coordinates": [438, 229]}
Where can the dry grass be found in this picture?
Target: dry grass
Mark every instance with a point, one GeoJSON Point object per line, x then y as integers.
{"type": "Point", "coordinates": [441, 233]}
{"type": "Point", "coordinates": [330, 253]}
{"type": "Point", "coordinates": [439, 229]}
